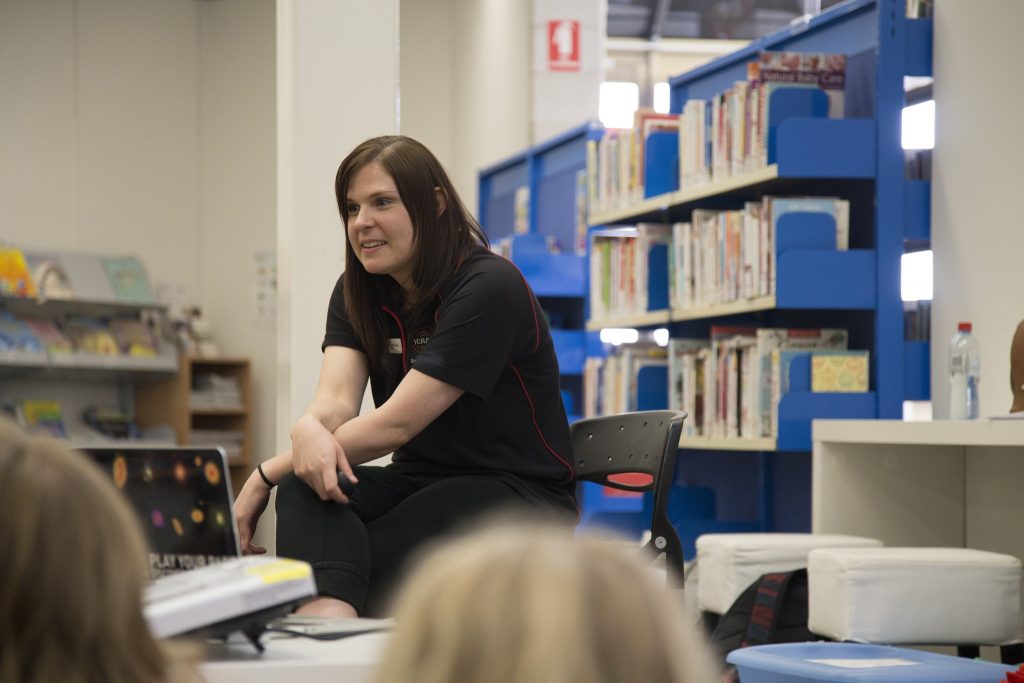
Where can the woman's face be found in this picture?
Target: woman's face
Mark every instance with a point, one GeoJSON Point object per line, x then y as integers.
{"type": "Point", "coordinates": [379, 227]}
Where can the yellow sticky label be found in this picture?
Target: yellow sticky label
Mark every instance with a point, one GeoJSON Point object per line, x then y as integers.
{"type": "Point", "coordinates": [280, 571]}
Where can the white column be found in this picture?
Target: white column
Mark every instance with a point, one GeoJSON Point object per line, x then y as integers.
{"type": "Point", "coordinates": [337, 84]}
{"type": "Point", "coordinates": [977, 231]}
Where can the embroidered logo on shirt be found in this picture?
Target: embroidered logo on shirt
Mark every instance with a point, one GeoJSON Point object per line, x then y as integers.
{"type": "Point", "coordinates": [394, 345]}
{"type": "Point", "coordinates": [420, 339]}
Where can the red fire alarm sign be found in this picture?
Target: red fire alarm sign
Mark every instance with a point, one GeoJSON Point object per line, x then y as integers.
{"type": "Point", "coordinates": [563, 45]}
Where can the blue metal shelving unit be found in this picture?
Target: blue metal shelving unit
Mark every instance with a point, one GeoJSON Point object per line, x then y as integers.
{"type": "Point", "coordinates": [816, 285]}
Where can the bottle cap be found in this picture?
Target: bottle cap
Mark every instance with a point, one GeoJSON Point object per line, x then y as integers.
{"type": "Point", "coordinates": [964, 327]}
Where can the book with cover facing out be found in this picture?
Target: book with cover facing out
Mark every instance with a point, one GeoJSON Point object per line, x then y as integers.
{"type": "Point", "coordinates": [92, 336]}
{"type": "Point", "coordinates": [50, 335]}
{"type": "Point", "coordinates": [15, 278]}
{"type": "Point", "coordinates": [839, 371]}
{"type": "Point", "coordinates": [128, 279]}
{"type": "Point", "coordinates": [42, 417]}
{"type": "Point", "coordinates": [133, 337]}
{"type": "Point", "coordinates": [15, 335]}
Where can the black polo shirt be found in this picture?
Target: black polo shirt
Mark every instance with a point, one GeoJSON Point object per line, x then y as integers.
{"type": "Point", "coordinates": [491, 339]}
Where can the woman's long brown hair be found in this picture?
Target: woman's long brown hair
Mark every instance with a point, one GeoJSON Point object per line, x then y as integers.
{"type": "Point", "coordinates": [441, 238]}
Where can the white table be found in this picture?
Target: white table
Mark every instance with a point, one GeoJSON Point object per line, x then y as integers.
{"type": "Point", "coordinates": [290, 660]}
{"type": "Point", "coordinates": [954, 483]}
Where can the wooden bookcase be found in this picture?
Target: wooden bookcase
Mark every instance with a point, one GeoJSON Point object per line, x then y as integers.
{"type": "Point", "coordinates": [171, 402]}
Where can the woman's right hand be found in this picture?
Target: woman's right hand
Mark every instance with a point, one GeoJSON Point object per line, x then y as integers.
{"type": "Point", "coordinates": [317, 457]}
{"type": "Point", "coordinates": [251, 502]}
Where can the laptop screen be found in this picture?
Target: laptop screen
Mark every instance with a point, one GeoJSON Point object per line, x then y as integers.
{"type": "Point", "coordinates": [182, 496]}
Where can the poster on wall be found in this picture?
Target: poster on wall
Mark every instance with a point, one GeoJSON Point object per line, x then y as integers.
{"type": "Point", "coordinates": [563, 45]}
{"type": "Point", "coordinates": [264, 302]}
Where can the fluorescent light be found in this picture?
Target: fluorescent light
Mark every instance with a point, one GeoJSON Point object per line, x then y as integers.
{"type": "Point", "coordinates": [916, 276]}
{"type": "Point", "coordinates": [919, 126]}
{"type": "Point", "coordinates": [619, 335]}
{"type": "Point", "coordinates": [660, 336]}
{"type": "Point", "coordinates": [616, 103]}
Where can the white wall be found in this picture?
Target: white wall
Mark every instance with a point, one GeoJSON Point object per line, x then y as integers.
{"type": "Point", "coordinates": [427, 58]}
{"type": "Point", "coordinates": [977, 237]}
{"type": "Point", "coordinates": [99, 129]}
{"type": "Point", "coordinates": [564, 99]}
{"type": "Point", "coordinates": [237, 190]}
{"type": "Point", "coordinates": [491, 103]}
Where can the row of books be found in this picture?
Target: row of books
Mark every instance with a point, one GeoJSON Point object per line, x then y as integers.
{"type": "Point", "coordinates": [619, 264]}
{"type": "Point", "coordinates": [53, 275]}
{"type": "Point", "coordinates": [612, 384]}
{"type": "Point", "coordinates": [725, 256]}
{"type": "Point", "coordinates": [717, 257]}
{"type": "Point", "coordinates": [121, 336]}
{"type": "Point", "coordinates": [731, 383]}
{"type": "Point", "coordinates": [720, 137]}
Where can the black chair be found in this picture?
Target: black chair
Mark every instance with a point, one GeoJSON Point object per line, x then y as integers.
{"type": "Point", "coordinates": [643, 442]}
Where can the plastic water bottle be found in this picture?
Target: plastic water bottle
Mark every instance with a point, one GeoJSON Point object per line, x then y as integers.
{"type": "Point", "coordinates": [964, 374]}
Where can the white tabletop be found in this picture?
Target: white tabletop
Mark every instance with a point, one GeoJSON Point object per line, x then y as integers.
{"type": "Point", "coordinates": [288, 659]}
{"type": "Point", "coordinates": [983, 432]}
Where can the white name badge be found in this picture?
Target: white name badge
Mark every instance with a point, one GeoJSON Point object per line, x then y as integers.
{"type": "Point", "coordinates": [394, 346]}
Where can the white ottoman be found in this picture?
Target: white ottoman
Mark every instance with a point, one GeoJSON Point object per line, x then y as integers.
{"type": "Point", "coordinates": [728, 563]}
{"type": "Point", "coordinates": [914, 596]}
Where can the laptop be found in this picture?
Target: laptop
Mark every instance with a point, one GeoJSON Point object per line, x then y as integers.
{"type": "Point", "coordinates": [201, 586]}
{"type": "Point", "coordinates": [182, 496]}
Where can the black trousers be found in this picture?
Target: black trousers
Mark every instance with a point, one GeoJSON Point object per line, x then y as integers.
{"type": "Point", "coordinates": [358, 551]}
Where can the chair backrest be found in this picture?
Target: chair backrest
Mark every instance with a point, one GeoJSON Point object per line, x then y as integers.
{"type": "Point", "coordinates": [644, 442]}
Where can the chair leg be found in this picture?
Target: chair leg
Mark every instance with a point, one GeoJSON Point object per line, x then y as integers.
{"type": "Point", "coordinates": [968, 651]}
{"type": "Point", "coordinates": [1012, 653]}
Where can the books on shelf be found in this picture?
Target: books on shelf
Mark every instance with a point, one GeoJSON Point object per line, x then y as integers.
{"type": "Point", "coordinates": [687, 373]}
{"type": "Point", "coordinates": [720, 257]}
{"type": "Point", "coordinates": [521, 220]}
{"type": "Point", "coordinates": [15, 278]}
{"type": "Point", "coordinates": [613, 383]}
{"type": "Point", "coordinates": [133, 337]}
{"type": "Point", "coordinates": [15, 335]}
{"type": "Point", "coordinates": [622, 262]}
{"type": "Point", "coordinates": [91, 335]}
{"type": "Point", "coordinates": [616, 162]}
{"type": "Point", "coordinates": [769, 375]}
{"type": "Point", "coordinates": [50, 335]}
{"type": "Point", "coordinates": [42, 417]}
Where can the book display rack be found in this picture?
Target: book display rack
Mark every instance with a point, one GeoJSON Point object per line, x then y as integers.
{"type": "Point", "coordinates": [88, 354]}
{"type": "Point", "coordinates": [759, 481]}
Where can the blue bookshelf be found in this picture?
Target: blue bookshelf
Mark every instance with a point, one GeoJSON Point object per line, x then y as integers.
{"type": "Point", "coordinates": [546, 249]}
{"type": "Point", "coordinates": [859, 158]}
{"type": "Point", "coordinates": [764, 484]}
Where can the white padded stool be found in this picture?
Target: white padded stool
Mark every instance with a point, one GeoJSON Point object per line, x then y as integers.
{"type": "Point", "coordinates": [914, 596]}
{"type": "Point", "coordinates": [728, 563]}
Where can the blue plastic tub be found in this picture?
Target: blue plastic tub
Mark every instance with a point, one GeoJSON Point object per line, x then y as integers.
{"type": "Point", "coordinates": [828, 662]}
